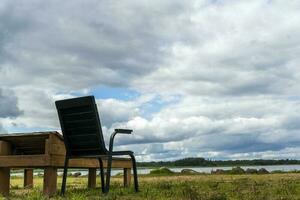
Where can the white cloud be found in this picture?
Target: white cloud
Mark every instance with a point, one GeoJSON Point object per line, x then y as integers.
{"type": "Point", "coordinates": [233, 49]}
{"type": "Point", "coordinates": [229, 125]}
{"type": "Point", "coordinates": [113, 111]}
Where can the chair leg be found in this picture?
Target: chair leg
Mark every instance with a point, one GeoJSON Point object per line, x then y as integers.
{"type": "Point", "coordinates": [102, 175]}
{"type": "Point", "coordinates": [63, 186]}
{"type": "Point", "coordinates": [108, 173]}
{"type": "Point", "coordinates": [136, 184]}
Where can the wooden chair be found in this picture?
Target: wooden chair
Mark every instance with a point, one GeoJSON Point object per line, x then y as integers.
{"type": "Point", "coordinates": [83, 137]}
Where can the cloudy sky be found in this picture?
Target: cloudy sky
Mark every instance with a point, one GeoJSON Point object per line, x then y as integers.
{"type": "Point", "coordinates": [210, 78]}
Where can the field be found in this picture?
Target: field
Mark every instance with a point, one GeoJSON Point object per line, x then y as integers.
{"type": "Point", "coordinates": [175, 187]}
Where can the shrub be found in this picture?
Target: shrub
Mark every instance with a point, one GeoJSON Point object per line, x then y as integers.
{"type": "Point", "coordinates": [237, 170]}
{"type": "Point", "coordinates": [218, 171]}
{"type": "Point", "coordinates": [162, 170]}
{"type": "Point", "coordinates": [251, 171]}
{"type": "Point", "coordinates": [263, 171]}
{"type": "Point", "coordinates": [189, 171]}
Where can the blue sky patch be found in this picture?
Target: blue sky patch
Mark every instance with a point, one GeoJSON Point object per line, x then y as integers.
{"type": "Point", "coordinates": [119, 93]}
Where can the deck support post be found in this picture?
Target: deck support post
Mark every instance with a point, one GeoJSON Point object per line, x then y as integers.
{"type": "Point", "coordinates": [50, 181]}
{"type": "Point", "coordinates": [4, 181]}
{"type": "Point", "coordinates": [5, 149]}
{"type": "Point", "coordinates": [28, 178]}
{"type": "Point", "coordinates": [127, 177]}
{"type": "Point", "coordinates": [92, 178]}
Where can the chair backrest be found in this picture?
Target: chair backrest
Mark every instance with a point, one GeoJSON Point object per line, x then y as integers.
{"type": "Point", "coordinates": [80, 125]}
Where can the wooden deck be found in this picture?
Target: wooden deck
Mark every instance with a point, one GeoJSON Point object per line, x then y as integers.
{"type": "Point", "coordinates": [46, 150]}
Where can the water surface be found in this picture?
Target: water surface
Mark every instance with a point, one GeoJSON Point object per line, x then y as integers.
{"type": "Point", "coordinates": [270, 168]}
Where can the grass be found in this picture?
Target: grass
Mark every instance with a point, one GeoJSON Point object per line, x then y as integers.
{"type": "Point", "coordinates": [175, 187]}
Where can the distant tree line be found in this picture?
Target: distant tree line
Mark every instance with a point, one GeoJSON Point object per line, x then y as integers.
{"type": "Point", "coordinates": [202, 162]}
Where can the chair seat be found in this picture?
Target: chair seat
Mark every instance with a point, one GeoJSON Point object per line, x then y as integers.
{"type": "Point", "coordinates": [105, 156]}
{"type": "Point", "coordinates": [120, 153]}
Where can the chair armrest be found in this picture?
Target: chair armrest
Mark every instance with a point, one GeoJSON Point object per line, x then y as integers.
{"type": "Point", "coordinates": [123, 131]}
{"type": "Point", "coordinates": [112, 137]}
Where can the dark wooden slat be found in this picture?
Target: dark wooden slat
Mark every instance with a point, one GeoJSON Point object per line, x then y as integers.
{"type": "Point", "coordinates": [79, 116]}
{"type": "Point", "coordinates": [85, 145]}
{"type": "Point", "coordinates": [82, 140]}
{"type": "Point", "coordinates": [73, 110]}
{"type": "Point", "coordinates": [78, 113]}
{"type": "Point", "coordinates": [81, 131]}
{"type": "Point", "coordinates": [81, 126]}
{"type": "Point", "coordinates": [81, 121]}
{"type": "Point", "coordinates": [78, 124]}
{"type": "Point", "coordinates": [83, 135]}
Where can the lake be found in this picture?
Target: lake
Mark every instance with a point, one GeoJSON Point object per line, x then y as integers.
{"type": "Point", "coordinates": [270, 168]}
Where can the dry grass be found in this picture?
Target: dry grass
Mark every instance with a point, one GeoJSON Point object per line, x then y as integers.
{"type": "Point", "coordinates": [193, 187]}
